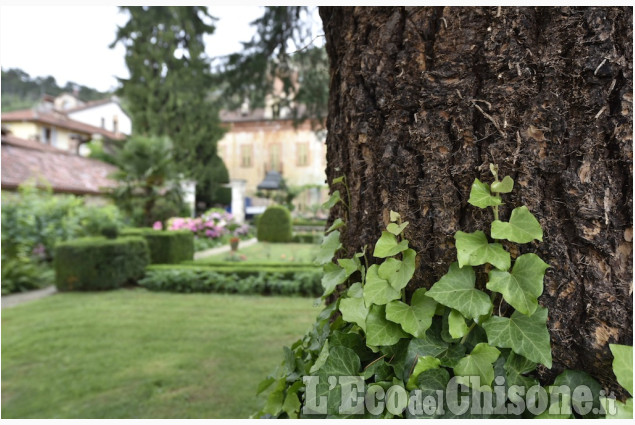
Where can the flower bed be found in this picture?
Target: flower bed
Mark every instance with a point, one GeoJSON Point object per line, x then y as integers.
{"type": "Point", "coordinates": [213, 228]}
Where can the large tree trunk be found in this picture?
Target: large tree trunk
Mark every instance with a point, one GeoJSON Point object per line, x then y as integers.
{"type": "Point", "coordinates": [422, 99]}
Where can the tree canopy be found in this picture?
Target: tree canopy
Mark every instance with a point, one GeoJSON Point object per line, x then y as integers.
{"type": "Point", "coordinates": [167, 91]}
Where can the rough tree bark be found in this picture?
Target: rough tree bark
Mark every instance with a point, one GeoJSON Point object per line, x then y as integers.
{"type": "Point", "coordinates": [422, 99]}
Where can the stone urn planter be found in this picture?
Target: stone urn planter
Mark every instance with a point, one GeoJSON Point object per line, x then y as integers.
{"type": "Point", "coordinates": [233, 243]}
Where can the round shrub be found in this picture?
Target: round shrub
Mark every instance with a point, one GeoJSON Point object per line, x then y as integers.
{"type": "Point", "coordinates": [275, 225]}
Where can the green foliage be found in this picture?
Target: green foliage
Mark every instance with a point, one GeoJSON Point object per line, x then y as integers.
{"type": "Point", "coordinates": [34, 220]}
{"type": "Point", "coordinates": [233, 280]}
{"type": "Point", "coordinates": [521, 228]}
{"type": "Point", "coordinates": [623, 370]}
{"type": "Point", "coordinates": [249, 75]}
{"type": "Point", "coordinates": [23, 273]}
{"type": "Point", "coordinates": [148, 187]}
{"type": "Point", "coordinates": [306, 238]}
{"type": "Point", "coordinates": [210, 190]}
{"type": "Point", "coordinates": [166, 246]}
{"type": "Point", "coordinates": [167, 91]}
{"type": "Point", "coordinates": [456, 328]}
{"type": "Point", "coordinates": [275, 225]}
{"type": "Point", "coordinates": [89, 264]}
{"type": "Point", "coordinates": [21, 91]}
{"type": "Point", "coordinates": [110, 231]}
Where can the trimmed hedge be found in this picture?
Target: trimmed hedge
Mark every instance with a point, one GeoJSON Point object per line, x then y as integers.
{"type": "Point", "coordinates": [275, 225]}
{"type": "Point", "coordinates": [189, 279]}
{"type": "Point", "coordinates": [309, 222]}
{"type": "Point", "coordinates": [205, 262]}
{"type": "Point", "coordinates": [97, 263]}
{"type": "Point", "coordinates": [307, 238]}
{"type": "Point", "coordinates": [166, 246]}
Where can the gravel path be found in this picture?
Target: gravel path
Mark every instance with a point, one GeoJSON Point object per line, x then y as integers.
{"type": "Point", "coordinates": [23, 297]}
{"type": "Point", "coordinates": [222, 249]}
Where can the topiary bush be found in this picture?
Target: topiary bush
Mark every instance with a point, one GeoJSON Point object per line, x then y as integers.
{"type": "Point", "coordinates": [166, 246]}
{"type": "Point", "coordinates": [97, 263]}
{"type": "Point", "coordinates": [275, 225]}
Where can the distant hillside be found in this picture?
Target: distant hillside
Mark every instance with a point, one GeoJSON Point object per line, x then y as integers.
{"type": "Point", "coordinates": [20, 90]}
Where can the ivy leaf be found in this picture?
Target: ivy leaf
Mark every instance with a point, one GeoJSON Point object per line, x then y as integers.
{"type": "Point", "coordinates": [481, 197]}
{"type": "Point", "coordinates": [523, 227]}
{"type": "Point", "coordinates": [559, 404]}
{"type": "Point", "coordinates": [473, 249]}
{"type": "Point", "coordinates": [355, 290]}
{"type": "Point", "coordinates": [339, 179]}
{"type": "Point", "coordinates": [478, 363]}
{"type": "Point", "coordinates": [329, 247]}
{"type": "Point", "coordinates": [354, 311]}
{"type": "Point", "coordinates": [349, 265]}
{"type": "Point", "coordinates": [351, 340]}
{"type": "Point", "coordinates": [336, 225]}
{"type": "Point", "coordinates": [522, 287]}
{"type": "Point", "coordinates": [577, 378]}
{"type": "Point", "coordinates": [515, 366]}
{"type": "Point", "coordinates": [429, 382]}
{"type": "Point", "coordinates": [525, 335]}
{"type": "Point", "coordinates": [396, 229]}
{"type": "Point", "coordinates": [380, 331]}
{"type": "Point", "coordinates": [379, 369]}
{"type": "Point", "coordinates": [398, 273]}
{"type": "Point", "coordinates": [342, 361]}
{"type": "Point", "coordinates": [505, 186]}
{"type": "Point", "coordinates": [457, 326]}
{"type": "Point", "coordinates": [415, 318]}
{"type": "Point", "coordinates": [333, 276]}
{"type": "Point", "coordinates": [265, 383]}
{"type": "Point", "coordinates": [321, 359]}
{"type": "Point", "coordinates": [387, 246]}
{"type": "Point", "coordinates": [623, 365]}
{"type": "Point", "coordinates": [623, 410]}
{"type": "Point", "coordinates": [431, 345]}
{"type": "Point", "coordinates": [292, 403]}
{"type": "Point", "coordinates": [423, 363]}
{"type": "Point", "coordinates": [378, 290]}
{"type": "Point", "coordinates": [334, 199]}
{"type": "Point", "coordinates": [273, 406]}
{"type": "Point", "coordinates": [456, 290]}
{"type": "Point", "coordinates": [394, 216]}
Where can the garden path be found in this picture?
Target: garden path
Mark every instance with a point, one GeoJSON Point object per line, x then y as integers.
{"type": "Point", "coordinates": [20, 298]}
{"type": "Point", "coordinates": [221, 249]}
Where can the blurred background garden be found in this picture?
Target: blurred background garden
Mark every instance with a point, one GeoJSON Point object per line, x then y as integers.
{"type": "Point", "coordinates": [158, 239]}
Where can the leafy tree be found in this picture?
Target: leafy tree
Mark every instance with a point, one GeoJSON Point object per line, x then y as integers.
{"type": "Point", "coordinates": [282, 49]}
{"type": "Point", "coordinates": [20, 90]}
{"type": "Point", "coordinates": [148, 189]}
{"type": "Point", "coordinates": [168, 85]}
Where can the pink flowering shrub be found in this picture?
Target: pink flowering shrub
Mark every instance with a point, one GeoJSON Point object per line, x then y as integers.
{"type": "Point", "coordinates": [213, 224]}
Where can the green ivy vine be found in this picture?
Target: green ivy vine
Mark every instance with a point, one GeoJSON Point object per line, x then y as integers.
{"type": "Point", "coordinates": [454, 330]}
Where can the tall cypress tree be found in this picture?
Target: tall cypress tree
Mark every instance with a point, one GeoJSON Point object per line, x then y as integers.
{"type": "Point", "coordinates": [168, 86]}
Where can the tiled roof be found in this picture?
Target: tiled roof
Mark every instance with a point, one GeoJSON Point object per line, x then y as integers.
{"type": "Point", "coordinates": [59, 120]}
{"type": "Point", "coordinates": [24, 160]}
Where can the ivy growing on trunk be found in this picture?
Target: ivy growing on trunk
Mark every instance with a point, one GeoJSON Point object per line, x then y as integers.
{"type": "Point", "coordinates": [480, 325]}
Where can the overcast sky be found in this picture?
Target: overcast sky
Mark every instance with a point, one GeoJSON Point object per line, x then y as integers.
{"type": "Point", "coordinates": [71, 42]}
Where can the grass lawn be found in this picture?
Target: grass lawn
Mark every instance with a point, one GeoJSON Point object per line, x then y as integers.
{"type": "Point", "coordinates": [140, 354]}
{"type": "Point", "coordinates": [264, 252]}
